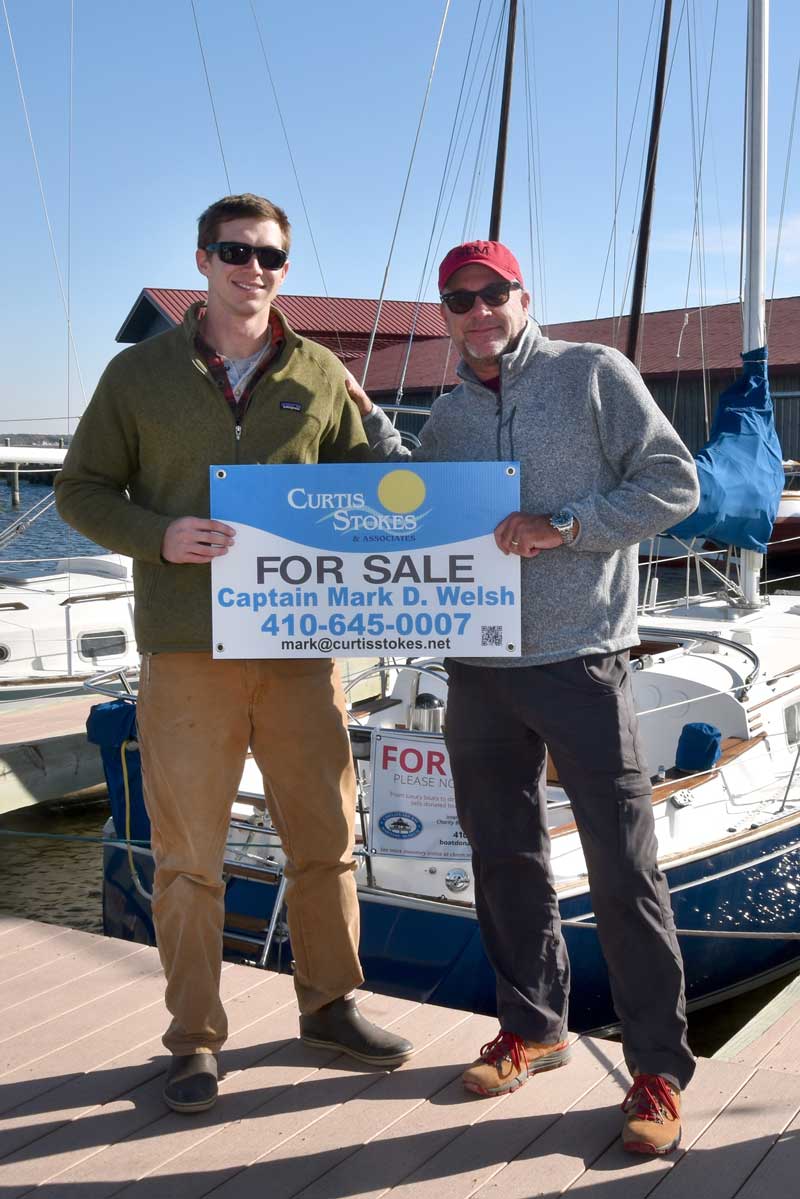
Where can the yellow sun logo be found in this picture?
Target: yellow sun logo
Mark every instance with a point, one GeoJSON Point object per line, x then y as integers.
{"type": "Point", "coordinates": [401, 491]}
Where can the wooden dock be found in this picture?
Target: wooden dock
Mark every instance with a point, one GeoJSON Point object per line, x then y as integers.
{"type": "Point", "coordinates": [81, 1115]}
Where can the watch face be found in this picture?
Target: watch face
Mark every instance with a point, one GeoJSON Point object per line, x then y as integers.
{"type": "Point", "coordinates": [563, 523]}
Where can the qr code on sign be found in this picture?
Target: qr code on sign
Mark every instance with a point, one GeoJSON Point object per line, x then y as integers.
{"type": "Point", "coordinates": [491, 634]}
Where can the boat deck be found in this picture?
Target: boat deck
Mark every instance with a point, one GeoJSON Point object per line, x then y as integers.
{"type": "Point", "coordinates": [81, 1114]}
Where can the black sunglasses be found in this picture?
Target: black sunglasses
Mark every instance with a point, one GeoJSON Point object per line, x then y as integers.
{"type": "Point", "coordinates": [494, 295]}
{"type": "Point", "coordinates": [237, 253]}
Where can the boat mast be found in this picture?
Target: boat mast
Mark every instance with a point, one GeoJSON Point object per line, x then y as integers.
{"type": "Point", "coordinates": [649, 189]}
{"type": "Point", "coordinates": [756, 175]}
{"type": "Point", "coordinates": [755, 223]}
{"type": "Point", "coordinates": [502, 134]}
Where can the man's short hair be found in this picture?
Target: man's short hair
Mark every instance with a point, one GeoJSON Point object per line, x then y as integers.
{"type": "Point", "coordinates": [233, 208]}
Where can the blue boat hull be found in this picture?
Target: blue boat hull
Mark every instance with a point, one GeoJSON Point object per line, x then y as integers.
{"type": "Point", "coordinates": [432, 951]}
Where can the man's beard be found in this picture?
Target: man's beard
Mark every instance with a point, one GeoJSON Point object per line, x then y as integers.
{"type": "Point", "coordinates": [483, 363]}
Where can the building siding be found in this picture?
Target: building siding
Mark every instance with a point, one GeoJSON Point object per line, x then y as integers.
{"type": "Point", "coordinates": [684, 406]}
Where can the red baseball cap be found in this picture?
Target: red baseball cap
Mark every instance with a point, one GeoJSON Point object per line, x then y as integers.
{"type": "Point", "coordinates": [493, 254]}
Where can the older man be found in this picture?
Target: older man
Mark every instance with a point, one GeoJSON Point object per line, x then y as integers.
{"type": "Point", "coordinates": [232, 384]}
{"type": "Point", "coordinates": [601, 469]}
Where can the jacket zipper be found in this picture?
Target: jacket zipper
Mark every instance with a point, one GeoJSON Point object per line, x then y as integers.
{"type": "Point", "coordinates": [499, 414]}
{"type": "Point", "coordinates": [238, 422]}
{"type": "Point", "coordinates": [238, 419]}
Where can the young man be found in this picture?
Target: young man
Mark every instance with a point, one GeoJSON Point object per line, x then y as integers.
{"type": "Point", "coordinates": [601, 469]}
{"type": "Point", "coordinates": [232, 384]}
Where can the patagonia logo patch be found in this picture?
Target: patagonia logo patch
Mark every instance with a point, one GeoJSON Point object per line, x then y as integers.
{"type": "Point", "coordinates": [292, 405]}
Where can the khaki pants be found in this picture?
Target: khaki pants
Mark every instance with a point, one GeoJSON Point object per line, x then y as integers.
{"type": "Point", "coordinates": [196, 718]}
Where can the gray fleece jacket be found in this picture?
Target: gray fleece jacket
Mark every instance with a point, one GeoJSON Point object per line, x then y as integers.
{"type": "Point", "coordinates": [589, 438]}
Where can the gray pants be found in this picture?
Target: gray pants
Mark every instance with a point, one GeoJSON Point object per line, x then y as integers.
{"type": "Point", "coordinates": [499, 721]}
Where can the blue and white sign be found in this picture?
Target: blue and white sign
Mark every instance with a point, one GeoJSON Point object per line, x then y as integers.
{"type": "Point", "coordinates": [412, 806]}
{"type": "Point", "coordinates": [364, 560]}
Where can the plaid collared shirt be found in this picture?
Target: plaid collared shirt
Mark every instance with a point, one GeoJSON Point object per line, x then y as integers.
{"type": "Point", "coordinates": [216, 364]}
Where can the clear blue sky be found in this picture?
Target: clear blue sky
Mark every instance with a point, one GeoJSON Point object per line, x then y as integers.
{"type": "Point", "coordinates": [350, 80]}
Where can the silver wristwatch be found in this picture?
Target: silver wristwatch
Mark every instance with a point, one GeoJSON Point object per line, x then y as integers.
{"type": "Point", "coordinates": [564, 524]}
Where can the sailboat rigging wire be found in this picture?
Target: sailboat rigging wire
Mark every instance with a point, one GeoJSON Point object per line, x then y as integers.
{"type": "Point", "coordinates": [293, 164]}
{"type": "Point", "coordinates": [479, 91]}
{"type": "Point", "coordinates": [446, 364]}
{"type": "Point", "coordinates": [696, 228]}
{"type": "Point", "coordinates": [791, 780]}
{"type": "Point", "coordinates": [69, 186]}
{"type": "Point", "coordinates": [22, 523]}
{"type": "Point", "coordinates": [537, 174]}
{"type": "Point", "coordinates": [482, 149]}
{"type": "Point", "coordinates": [744, 143]}
{"type": "Point", "coordinates": [699, 219]}
{"type": "Point", "coordinates": [723, 255]}
{"type": "Point", "coordinates": [617, 318]}
{"type": "Point", "coordinates": [210, 96]}
{"type": "Point", "coordinates": [781, 578]}
{"type": "Point", "coordinates": [539, 300]}
{"type": "Point", "coordinates": [32, 420]}
{"type": "Point", "coordinates": [449, 158]}
{"type": "Point", "coordinates": [723, 252]}
{"type": "Point", "coordinates": [783, 196]}
{"type": "Point", "coordinates": [530, 164]}
{"type": "Point", "coordinates": [735, 934]}
{"type": "Point", "coordinates": [62, 292]}
{"type": "Point", "coordinates": [618, 193]}
{"type": "Point", "coordinates": [379, 306]}
{"type": "Point", "coordinates": [644, 183]}
{"type": "Point", "coordinates": [70, 541]}
{"type": "Point", "coordinates": [633, 242]}
{"type": "Point", "coordinates": [697, 171]}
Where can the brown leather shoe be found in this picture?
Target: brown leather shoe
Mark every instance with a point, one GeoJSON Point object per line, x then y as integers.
{"type": "Point", "coordinates": [507, 1062]}
{"type": "Point", "coordinates": [652, 1116]}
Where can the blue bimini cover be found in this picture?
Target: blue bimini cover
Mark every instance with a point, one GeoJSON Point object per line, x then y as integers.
{"type": "Point", "coordinates": [740, 468]}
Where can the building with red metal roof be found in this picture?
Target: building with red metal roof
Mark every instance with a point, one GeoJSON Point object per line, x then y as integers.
{"type": "Point", "coordinates": [687, 356]}
{"type": "Point", "coordinates": [343, 325]}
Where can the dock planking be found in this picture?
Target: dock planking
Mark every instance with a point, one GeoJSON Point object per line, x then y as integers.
{"type": "Point", "coordinates": [81, 1115]}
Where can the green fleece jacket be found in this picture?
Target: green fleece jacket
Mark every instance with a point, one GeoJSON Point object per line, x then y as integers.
{"type": "Point", "coordinates": [140, 457]}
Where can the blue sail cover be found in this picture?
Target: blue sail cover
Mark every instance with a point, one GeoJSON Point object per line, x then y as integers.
{"type": "Point", "coordinates": [740, 468]}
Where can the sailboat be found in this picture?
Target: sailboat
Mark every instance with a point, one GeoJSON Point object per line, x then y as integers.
{"type": "Point", "coordinates": [60, 626]}
{"type": "Point", "coordinates": [61, 623]}
{"type": "Point", "coordinates": [727, 823]}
